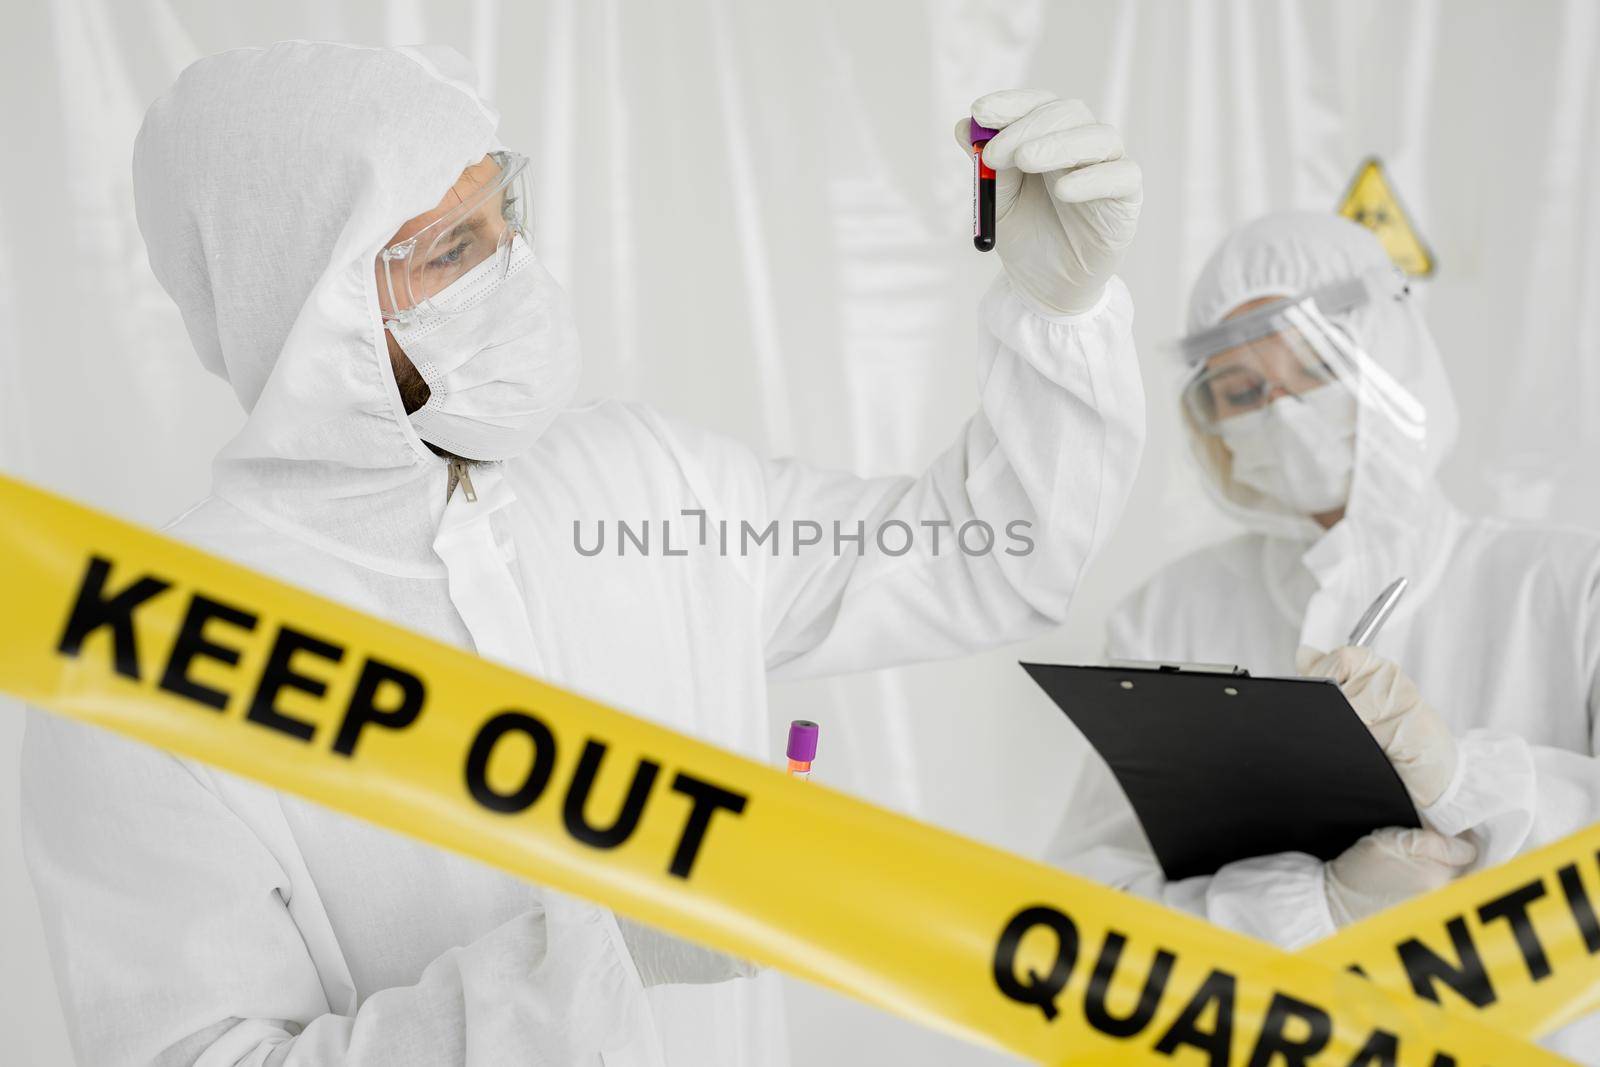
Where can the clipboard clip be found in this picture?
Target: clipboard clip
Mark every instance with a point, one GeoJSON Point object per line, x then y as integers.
{"type": "Point", "coordinates": [1179, 668]}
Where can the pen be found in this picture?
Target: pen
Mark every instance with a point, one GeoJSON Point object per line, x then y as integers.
{"type": "Point", "coordinates": [1375, 616]}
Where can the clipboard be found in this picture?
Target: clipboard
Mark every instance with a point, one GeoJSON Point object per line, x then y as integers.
{"type": "Point", "coordinates": [1220, 766]}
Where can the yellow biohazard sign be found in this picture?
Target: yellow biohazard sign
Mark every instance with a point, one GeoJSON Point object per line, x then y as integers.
{"type": "Point", "coordinates": [134, 632]}
{"type": "Point", "coordinates": [1372, 201]}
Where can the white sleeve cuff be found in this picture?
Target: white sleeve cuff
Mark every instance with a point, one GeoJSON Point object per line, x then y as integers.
{"type": "Point", "coordinates": [1279, 898]}
{"type": "Point", "coordinates": [1493, 784]}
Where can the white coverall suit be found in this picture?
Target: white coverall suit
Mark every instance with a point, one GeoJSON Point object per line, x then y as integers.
{"type": "Point", "coordinates": [197, 918]}
{"type": "Point", "coordinates": [1500, 627]}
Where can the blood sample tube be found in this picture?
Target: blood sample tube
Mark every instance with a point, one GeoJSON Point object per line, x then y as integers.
{"type": "Point", "coordinates": [982, 189]}
{"type": "Point", "coordinates": [802, 748]}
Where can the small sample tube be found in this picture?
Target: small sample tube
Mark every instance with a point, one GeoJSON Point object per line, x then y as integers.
{"type": "Point", "coordinates": [802, 748]}
{"type": "Point", "coordinates": [982, 188]}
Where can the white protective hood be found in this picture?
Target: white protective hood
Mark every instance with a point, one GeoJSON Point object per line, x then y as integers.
{"type": "Point", "coordinates": [263, 197]}
{"type": "Point", "coordinates": [1396, 515]}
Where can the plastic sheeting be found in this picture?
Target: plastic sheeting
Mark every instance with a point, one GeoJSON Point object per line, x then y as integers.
{"type": "Point", "coordinates": [764, 223]}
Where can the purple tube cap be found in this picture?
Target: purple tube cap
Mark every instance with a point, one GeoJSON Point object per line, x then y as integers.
{"type": "Point", "coordinates": [979, 133]}
{"type": "Point", "coordinates": [802, 740]}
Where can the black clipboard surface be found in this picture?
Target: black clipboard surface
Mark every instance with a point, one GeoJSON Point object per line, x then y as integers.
{"type": "Point", "coordinates": [1222, 767]}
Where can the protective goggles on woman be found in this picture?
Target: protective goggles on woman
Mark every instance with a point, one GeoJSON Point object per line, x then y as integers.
{"type": "Point", "coordinates": [488, 208]}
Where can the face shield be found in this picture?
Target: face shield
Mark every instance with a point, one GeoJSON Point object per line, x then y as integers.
{"type": "Point", "coordinates": [488, 209]}
{"type": "Point", "coordinates": [1280, 396]}
{"type": "Point", "coordinates": [1292, 348]}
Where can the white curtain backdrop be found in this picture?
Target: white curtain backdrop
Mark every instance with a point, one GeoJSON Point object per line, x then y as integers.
{"type": "Point", "coordinates": [761, 214]}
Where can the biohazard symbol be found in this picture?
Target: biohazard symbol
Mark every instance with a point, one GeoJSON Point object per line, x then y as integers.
{"type": "Point", "coordinates": [1372, 202]}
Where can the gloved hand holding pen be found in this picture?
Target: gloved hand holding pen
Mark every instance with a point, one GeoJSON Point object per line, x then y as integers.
{"type": "Point", "coordinates": [1066, 200]}
{"type": "Point", "coordinates": [1412, 734]}
{"type": "Point", "coordinates": [1393, 864]}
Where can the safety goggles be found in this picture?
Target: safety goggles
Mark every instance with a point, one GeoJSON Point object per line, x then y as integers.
{"type": "Point", "coordinates": [492, 209]}
{"type": "Point", "coordinates": [1289, 348]}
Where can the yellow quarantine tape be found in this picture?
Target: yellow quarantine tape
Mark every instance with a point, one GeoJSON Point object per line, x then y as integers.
{"type": "Point", "coordinates": [117, 626]}
{"type": "Point", "coordinates": [1516, 946]}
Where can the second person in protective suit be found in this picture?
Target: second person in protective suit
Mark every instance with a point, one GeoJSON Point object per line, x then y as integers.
{"type": "Point", "coordinates": [1319, 411]}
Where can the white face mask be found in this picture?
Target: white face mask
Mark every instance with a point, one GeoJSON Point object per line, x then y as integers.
{"type": "Point", "coordinates": [501, 361]}
{"type": "Point", "coordinates": [1300, 451]}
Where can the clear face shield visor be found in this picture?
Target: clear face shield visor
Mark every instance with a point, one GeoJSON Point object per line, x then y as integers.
{"type": "Point", "coordinates": [484, 211]}
{"type": "Point", "coordinates": [1291, 348]}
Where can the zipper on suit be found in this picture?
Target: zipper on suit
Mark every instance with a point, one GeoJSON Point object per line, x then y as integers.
{"type": "Point", "coordinates": [459, 476]}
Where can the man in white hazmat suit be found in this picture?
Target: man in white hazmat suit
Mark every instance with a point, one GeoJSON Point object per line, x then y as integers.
{"type": "Point", "coordinates": [198, 918]}
{"type": "Point", "coordinates": [1318, 408]}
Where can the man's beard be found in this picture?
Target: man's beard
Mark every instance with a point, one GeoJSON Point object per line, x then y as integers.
{"type": "Point", "coordinates": [414, 392]}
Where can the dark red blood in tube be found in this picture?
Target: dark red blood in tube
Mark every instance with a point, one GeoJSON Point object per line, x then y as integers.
{"type": "Point", "coordinates": [982, 189]}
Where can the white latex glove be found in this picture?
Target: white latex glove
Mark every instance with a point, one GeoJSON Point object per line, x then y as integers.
{"type": "Point", "coordinates": [1413, 735]}
{"type": "Point", "coordinates": [1390, 866]}
{"type": "Point", "coordinates": [1066, 201]}
{"type": "Point", "coordinates": [663, 959]}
